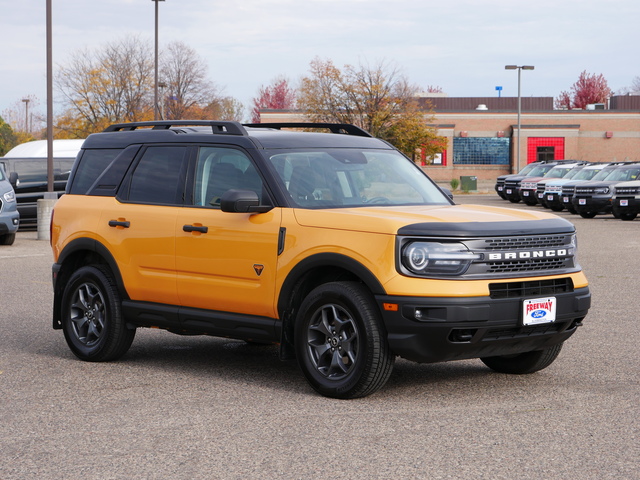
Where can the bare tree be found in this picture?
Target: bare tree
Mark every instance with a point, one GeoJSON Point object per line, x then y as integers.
{"type": "Point", "coordinates": [378, 99]}
{"type": "Point", "coordinates": [188, 90]}
{"type": "Point", "coordinates": [633, 89]}
{"type": "Point", "coordinates": [105, 86]}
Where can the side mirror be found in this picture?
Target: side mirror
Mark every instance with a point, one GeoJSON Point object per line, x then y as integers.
{"type": "Point", "coordinates": [13, 179]}
{"type": "Point", "coordinates": [242, 201]}
{"type": "Point", "coordinates": [447, 192]}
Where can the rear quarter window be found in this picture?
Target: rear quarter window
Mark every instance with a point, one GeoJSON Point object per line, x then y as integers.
{"type": "Point", "coordinates": [90, 166]}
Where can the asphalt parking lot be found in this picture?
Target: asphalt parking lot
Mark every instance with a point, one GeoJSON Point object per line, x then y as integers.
{"type": "Point", "coordinates": [207, 408]}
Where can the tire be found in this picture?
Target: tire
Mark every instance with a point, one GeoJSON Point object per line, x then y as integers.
{"type": "Point", "coordinates": [514, 200]}
{"type": "Point", "coordinates": [340, 341]}
{"type": "Point", "coordinates": [92, 316]}
{"type": "Point", "coordinates": [628, 216]}
{"type": "Point", "coordinates": [7, 239]}
{"type": "Point", "coordinates": [523, 363]}
{"type": "Point", "coordinates": [588, 214]}
{"type": "Point", "coordinates": [557, 208]}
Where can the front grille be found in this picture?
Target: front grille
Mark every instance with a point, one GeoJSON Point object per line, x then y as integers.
{"type": "Point", "coordinates": [585, 191]}
{"type": "Point", "coordinates": [532, 288]}
{"type": "Point", "coordinates": [568, 190]}
{"type": "Point", "coordinates": [520, 256]}
{"type": "Point", "coordinates": [627, 190]}
{"type": "Point", "coordinates": [524, 242]}
{"type": "Point", "coordinates": [529, 265]}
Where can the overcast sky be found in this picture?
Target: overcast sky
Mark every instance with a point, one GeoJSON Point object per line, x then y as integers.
{"type": "Point", "coordinates": [461, 46]}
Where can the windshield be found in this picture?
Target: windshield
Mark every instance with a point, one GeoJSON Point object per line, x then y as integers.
{"type": "Point", "coordinates": [527, 169]}
{"type": "Point", "coordinates": [539, 171]}
{"type": "Point", "coordinates": [573, 172]}
{"type": "Point", "coordinates": [558, 172]}
{"type": "Point", "coordinates": [331, 178]}
{"type": "Point", "coordinates": [588, 173]}
{"type": "Point", "coordinates": [624, 174]}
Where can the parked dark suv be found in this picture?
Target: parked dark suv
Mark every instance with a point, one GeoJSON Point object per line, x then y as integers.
{"type": "Point", "coordinates": [334, 245]}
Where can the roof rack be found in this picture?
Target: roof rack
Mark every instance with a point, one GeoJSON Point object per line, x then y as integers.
{"type": "Point", "coordinates": [217, 127]}
{"type": "Point", "coordinates": [344, 128]}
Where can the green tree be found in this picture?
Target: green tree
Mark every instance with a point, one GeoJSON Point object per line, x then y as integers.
{"type": "Point", "coordinates": [378, 99]}
{"type": "Point", "coordinates": [8, 138]}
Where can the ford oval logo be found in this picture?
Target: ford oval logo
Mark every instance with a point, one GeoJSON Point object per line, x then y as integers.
{"type": "Point", "coordinates": [538, 314]}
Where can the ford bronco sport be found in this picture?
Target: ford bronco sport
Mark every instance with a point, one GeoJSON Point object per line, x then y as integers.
{"type": "Point", "coordinates": [333, 245]}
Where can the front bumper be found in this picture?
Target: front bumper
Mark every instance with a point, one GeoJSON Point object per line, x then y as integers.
{"type": "Point", "coordinates": [9, 222]}
{"type": "Point", "coordinates": [586, 203]}
{"type": "Point", "coordinates": [463, 328]}
{"type": "Point", "coordinates": [626, 205]}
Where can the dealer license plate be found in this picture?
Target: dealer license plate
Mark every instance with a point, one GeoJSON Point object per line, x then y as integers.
{"type": "Point", "coordinates": [500, 188]}
{"type": "Point", "coordinates": [582, 201]}
{"type": "Point", "coordinates": [565, 199]}
{"type": "Point", "coordinates": [550, 198]}
{"type": "Point", "coordinates": [508, 191]}
{"type": "Point", "coordinates": [624, 203]}
{"type": "Point", "coordinates": [536, 311]}
{"type": "Point", "coordinates": [525, 193]}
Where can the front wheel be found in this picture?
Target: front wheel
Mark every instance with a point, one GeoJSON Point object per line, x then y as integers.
{"type": "Point", "coordinates": [92, 318]}
{"type": "Point", "coordinates": [627, 216]}
{"type": "Point", "coordinates": [340, 341]}
{"type": "Point", "coordinates": [523, 363]}
{"type": "Point", "coordinates": [588, 214]}
{"type": "Point", "coordinates": [7, 239]}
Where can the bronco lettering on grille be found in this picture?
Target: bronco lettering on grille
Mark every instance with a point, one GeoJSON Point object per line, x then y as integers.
{"type": "Point", "coordinates": [531, 254]}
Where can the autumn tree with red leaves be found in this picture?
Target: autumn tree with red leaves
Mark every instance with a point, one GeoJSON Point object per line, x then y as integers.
{"type": "Point", "coordinates": [278, 96]}
{"type": "Point", "coordinates": [590, 88]}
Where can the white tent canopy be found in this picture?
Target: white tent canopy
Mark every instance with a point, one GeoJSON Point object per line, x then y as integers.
{"type": "Point", "coordinates": [38, 149]}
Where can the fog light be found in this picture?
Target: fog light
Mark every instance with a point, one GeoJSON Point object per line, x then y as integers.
{"type": "Point", "coordinates": [15, 221]}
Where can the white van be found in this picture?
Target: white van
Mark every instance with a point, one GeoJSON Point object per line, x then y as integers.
{"type": "Point", "coordinates": [26, 167]}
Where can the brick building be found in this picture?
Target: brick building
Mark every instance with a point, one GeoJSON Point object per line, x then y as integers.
{"type": "Point", "coordinates": [482, 133]}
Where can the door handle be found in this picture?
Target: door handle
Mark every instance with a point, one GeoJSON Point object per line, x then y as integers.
{"type": "Point", "coordinates": [195, 228]}
{"type": "Point", "coordinates": [119, 223]}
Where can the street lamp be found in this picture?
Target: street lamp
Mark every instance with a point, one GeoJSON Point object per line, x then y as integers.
{"type": "Point", "coordinates": [519, 68]}
{"type": "Point", "coordinates": [26, 114]}
{"type": "Point", "coordinates": [155, 82]}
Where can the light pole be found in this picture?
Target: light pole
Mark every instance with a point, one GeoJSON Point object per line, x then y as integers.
{"type": "Point", "coordinates": [162, 86]}
{"type": "Point", "coordinates": [26, 114]}
{"type": "Point", "coordinates": [155, 81]}
{"type": "Point", "coordinates": [519, 68]}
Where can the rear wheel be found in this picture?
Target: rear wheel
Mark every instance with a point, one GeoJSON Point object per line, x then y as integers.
{"type": "Point", "coordinates": [340, 341]}
{"type": "Point", "coordinates": [92, 318]}
{"type": "Point", "coordinates": [523, 363]}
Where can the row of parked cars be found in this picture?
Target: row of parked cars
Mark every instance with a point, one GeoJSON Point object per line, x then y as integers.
{"type": "Point", "coordinates": [586, 189]}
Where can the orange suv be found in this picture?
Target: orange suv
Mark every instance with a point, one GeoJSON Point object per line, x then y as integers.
{"type": "Point", "coordinates": [333, 245]}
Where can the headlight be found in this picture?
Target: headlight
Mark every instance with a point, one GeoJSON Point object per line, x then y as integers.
{"type": "Point", "coordinates": [433, 258]}
{"type": "Point", "coordinates": [601, 190]}
{"type": "Point", "coordinates": [9, 197]}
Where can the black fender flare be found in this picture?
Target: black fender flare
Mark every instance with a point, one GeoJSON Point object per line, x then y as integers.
{"type": "Point", "coordinates": [59, 272]}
